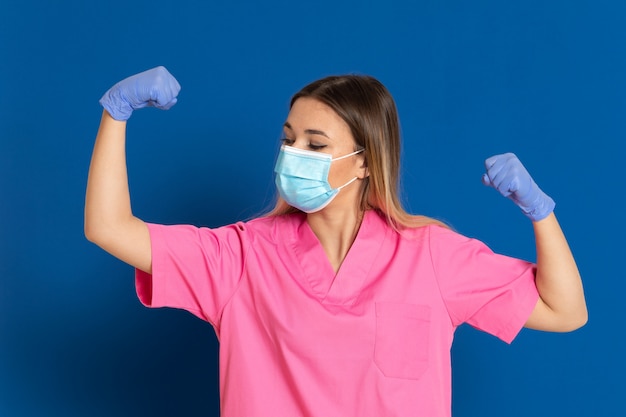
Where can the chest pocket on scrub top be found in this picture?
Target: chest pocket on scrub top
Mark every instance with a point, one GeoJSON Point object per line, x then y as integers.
{"type": "Point", "coordinates": [402, 338]}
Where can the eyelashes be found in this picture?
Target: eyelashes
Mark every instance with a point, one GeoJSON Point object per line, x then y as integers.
{"type": "Point", "coordinates": [312, 146]}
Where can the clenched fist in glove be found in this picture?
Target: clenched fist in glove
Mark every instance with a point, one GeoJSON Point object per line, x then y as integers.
{"type": "Point", "coordinates": [155, 87]}
{"type": "Point", "coordinates": [506, 174]}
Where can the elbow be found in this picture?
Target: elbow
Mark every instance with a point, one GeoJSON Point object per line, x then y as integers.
{"type": "Point", "coordinates": [575, 321]}
{"type": "Point", "coordinates": [584, 318]}
{"type": "Point", "coordinates": [89, 233]}
{"type": "Point", "coordinates": [581, 317]}
{"type": "Point", "coordinates": [95, 232]}
{"type": "Point", "coordinates": [91, 230]}
{"type": "Point", "coordinates": [99, 228]}
{"type": "Point", "coordinates": [571, 316]}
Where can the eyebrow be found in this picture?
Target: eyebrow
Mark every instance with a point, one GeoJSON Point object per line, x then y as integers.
{"type": "Point", "coordinates": [308, 131]}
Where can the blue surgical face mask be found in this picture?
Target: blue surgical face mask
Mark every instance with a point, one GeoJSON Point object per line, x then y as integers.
{"type": "Point", "coordinates": [302, 178]}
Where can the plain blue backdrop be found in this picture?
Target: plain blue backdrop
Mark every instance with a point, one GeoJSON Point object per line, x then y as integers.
{"type": "Point", "coordinates": [542, 79]}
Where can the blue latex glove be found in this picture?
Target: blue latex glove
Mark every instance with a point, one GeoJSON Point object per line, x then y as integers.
{"type": "Point", "coordinates": [506, 174]}
{"type": "Point", "coordinates": [155, 87]}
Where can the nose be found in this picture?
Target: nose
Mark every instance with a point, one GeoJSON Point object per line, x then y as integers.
{"type": "Point", "coordinates": [300, 144]}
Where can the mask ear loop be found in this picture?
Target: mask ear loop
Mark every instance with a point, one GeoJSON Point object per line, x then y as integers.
{"type": "Point", "coordinates": [348, 155]}
{"type": "Point", "coordinates": [348, 183]}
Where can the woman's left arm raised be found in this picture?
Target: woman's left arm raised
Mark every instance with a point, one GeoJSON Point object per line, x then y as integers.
{"type": "Point", "coordinates": [561, 306]}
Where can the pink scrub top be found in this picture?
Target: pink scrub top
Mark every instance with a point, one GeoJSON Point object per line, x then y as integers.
{"type": "Point", "coordinates": [296, 339]}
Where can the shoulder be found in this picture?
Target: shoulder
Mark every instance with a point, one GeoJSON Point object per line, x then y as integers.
{"type": "Point", "coordinates": [272, 222]}
{"type": "Point", "coordinates": [433, 232]}
{"type": "Point", "coordinates": [442, 240]}
{"type": "Point", "coordinates": [442, 243]}
{"type": "Point", "coordinates": [411, 235]}
{"type": "Point", "coordinates": [444, 234]}
{"type": "Point", "coordinates": [271, 228]}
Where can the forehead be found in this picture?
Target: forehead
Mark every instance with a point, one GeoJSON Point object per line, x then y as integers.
{"type": "Point", "coordinates": [311, 114]}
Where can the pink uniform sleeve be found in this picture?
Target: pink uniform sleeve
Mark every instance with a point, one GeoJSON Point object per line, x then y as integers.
{"type": "Point", "coordinates": [492, 292]}
{"type": "Point", "coordinates": [195, 269]}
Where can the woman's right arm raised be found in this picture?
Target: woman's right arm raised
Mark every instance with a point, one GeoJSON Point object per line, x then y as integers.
{"type": "Point", "coordinates": [109, 221]}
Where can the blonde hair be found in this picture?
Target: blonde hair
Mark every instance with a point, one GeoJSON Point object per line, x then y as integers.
{"type": "Point", "coordinates": [368, 108]}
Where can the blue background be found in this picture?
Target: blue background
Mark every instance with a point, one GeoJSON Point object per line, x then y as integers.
{"type": "Point", "coordinates": [471, 79]}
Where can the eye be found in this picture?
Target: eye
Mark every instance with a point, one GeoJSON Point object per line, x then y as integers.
{"type": "Point", "coordinates": [316, 147]}
{"type": "Point", "coordinates": [287, 141]}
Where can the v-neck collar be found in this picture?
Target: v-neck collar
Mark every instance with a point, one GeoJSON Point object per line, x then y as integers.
{"type": "Point", "coordinates": [343, 287]}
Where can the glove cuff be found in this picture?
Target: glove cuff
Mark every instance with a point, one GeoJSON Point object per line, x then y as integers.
{"type": "Point", "coordinates": [117, 107]}
{"type": "Point", "coordinates": [540, 209]}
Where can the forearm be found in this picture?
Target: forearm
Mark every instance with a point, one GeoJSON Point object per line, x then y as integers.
{"type": "Point", "coordinates": [108, 198]}
{"type": "Point", "coordinates": [558, 279]}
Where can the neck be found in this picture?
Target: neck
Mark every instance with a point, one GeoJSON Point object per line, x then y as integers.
{"type": "Point", "coordinates": [336, 230]}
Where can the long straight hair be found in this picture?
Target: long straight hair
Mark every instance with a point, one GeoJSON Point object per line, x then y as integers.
{"type": "Point", "coordinates": [368, 108]}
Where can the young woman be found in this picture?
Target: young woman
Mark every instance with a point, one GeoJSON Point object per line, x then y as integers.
{"type": "Point", "coordinates": [338, 302]}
